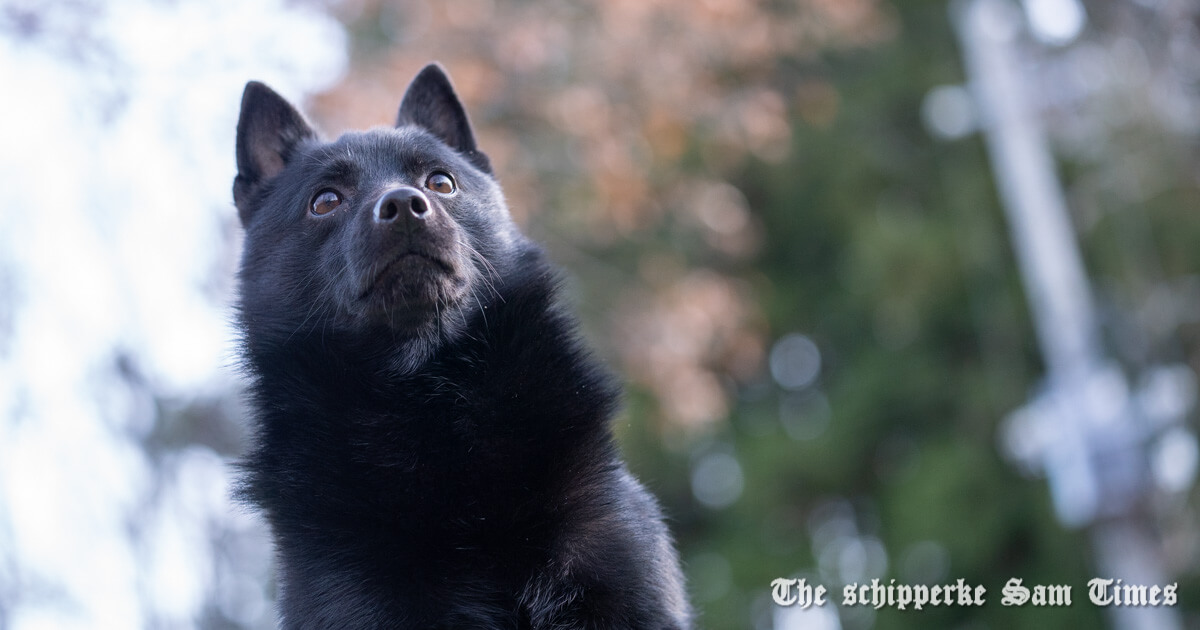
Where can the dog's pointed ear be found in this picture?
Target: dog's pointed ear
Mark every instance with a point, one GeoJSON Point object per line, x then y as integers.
{"type": "Point", "coordinates": [267, 133]}
{"type": "Point", "coordinates": [430, 102]}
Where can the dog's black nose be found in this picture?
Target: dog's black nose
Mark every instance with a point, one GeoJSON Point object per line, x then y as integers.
{"type": "Point", "coordinates": [404, 204]}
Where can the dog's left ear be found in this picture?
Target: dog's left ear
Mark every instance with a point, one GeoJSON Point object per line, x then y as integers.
{"type": "Point", "coordinates": [430, 102]}
{"type": "Point", "coordinates": [268, 132]}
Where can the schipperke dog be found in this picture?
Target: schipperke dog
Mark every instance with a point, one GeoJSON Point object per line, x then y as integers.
{"type": "Point", "coordinates": [432, 441]}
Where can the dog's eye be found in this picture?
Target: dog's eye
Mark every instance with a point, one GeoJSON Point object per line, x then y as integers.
{"type": "Point", "coordinates": [440, 182]}
{"type": "Point", "coordinates": [326, 201]}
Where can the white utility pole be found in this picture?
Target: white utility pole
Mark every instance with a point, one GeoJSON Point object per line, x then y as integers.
{"type": "Point", "coordinates": [1083, 430]}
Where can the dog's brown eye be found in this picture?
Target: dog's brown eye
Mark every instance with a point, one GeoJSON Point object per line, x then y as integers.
{"type": "Point", "coordinates": [326, 201]}
{"type": "Point", "coordinates": [440, 182]}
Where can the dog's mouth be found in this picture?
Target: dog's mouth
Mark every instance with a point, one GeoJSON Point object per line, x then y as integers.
{"type": "Point", "coordinates": [410, 273]}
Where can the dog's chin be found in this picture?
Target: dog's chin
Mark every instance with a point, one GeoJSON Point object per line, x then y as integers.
{"type": "Point", "coordinates": [412, 293]}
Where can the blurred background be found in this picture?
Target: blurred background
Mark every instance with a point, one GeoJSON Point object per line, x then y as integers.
{"type": "Point", "coordinates": [789, 226]}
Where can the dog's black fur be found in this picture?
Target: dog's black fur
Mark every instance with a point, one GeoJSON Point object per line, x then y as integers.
{"type": "Point", "coordinates": [432, 444]}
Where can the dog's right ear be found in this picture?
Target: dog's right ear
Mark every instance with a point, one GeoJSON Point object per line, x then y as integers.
{"type": "Point", "coordinates": [431, 102]}
{"type": "Point", "coordinates": [267, 133]}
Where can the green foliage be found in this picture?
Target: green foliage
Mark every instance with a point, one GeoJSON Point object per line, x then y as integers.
{"type": "Point", "coordinates": [889, 250]}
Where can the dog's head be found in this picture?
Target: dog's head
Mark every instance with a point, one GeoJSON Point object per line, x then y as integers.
{"type": "Point", "coordinates": [401, 228]}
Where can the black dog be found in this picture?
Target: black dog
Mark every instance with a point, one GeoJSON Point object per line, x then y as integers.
{"type": "Point", "coordinates": [432, 448]}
